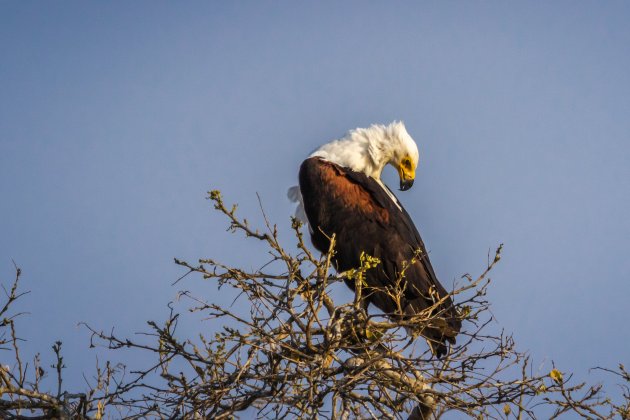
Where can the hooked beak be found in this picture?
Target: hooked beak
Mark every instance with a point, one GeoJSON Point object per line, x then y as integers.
{"type": "Point", "coordinates": [406, 184]}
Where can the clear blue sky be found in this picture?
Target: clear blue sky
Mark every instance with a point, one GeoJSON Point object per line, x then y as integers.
{"type": "Point", "coordinates": [116, 118]}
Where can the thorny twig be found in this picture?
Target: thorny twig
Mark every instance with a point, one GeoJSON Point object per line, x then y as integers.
{"type": "Point", "coordinates": [297, 352]}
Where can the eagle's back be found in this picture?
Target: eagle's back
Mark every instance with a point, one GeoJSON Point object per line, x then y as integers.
{"type": "Point", "coordinates": [364, 218]}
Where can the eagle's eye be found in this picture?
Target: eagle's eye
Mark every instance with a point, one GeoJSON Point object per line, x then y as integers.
{"type": "Point", "coordinates": [406, 163]}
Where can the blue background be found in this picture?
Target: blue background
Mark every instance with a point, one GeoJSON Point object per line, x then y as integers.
{"type": "Point", "coordinates": [116, 118]}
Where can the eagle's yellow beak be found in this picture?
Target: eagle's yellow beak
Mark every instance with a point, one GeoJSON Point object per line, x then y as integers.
{"type": "Point", "coordinates": [406, 173]}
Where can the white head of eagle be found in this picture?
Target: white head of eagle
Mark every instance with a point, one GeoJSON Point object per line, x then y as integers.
{"type": "Point", "coordinates": [340, 193]}
{"type": "Point", "coordinates": [369, 150]}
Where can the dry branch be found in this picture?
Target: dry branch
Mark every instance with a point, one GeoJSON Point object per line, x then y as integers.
{"type": "Point", "coordinates": [296, 352]}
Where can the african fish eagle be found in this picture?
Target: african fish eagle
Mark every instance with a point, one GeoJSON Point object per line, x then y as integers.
{"type": "Point", "coordinates": [340, 192]}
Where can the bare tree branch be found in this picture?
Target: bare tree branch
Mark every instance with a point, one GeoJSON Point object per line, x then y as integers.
{"type": "Point", "coordinates": [296, 352]}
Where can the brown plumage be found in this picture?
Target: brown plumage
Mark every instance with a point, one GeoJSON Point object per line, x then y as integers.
{"type": "Point", "coordinates": [365, 218]}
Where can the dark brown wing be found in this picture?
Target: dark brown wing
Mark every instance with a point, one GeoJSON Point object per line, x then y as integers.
{"type": "Point", "coordinates": [364, 218]}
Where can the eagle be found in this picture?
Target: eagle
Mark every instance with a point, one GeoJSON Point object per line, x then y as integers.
{"type": "Point", "coordinates": [340, 193]}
